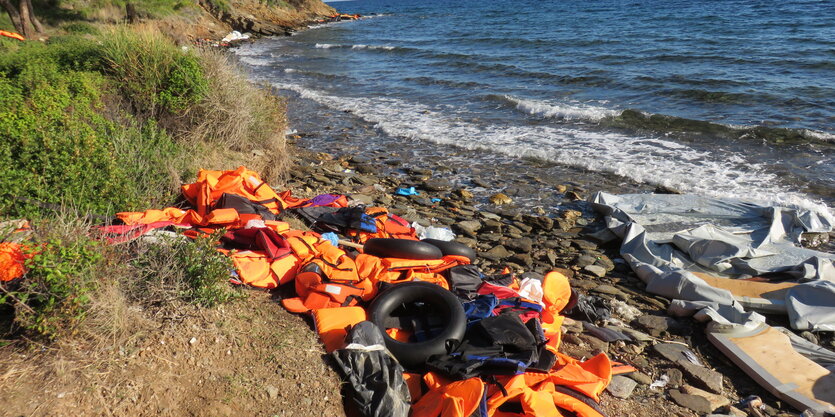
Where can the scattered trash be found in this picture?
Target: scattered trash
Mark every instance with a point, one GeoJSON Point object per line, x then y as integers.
{"type": "Point", "coordinates": [660, 382]}
{"type": "Point", "coordinates": [235, 36]}
{"type": "Point", "coordinates": [407, 191]}
{"type": "Point", "coordinates": [432, 232]}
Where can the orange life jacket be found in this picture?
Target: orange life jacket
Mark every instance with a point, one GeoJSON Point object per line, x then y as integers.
{"type": "Point", "coordinates": [12, 260]}
{"type": "Point", "coordinates": [211, 185]}
{"type": "Point", "coordinates": [396, 270]}
{"type": "Point", "coordinates": [449, 399]}
{"type": "Point", "coordinates": [333, 324]}
{"type": "Point", "coordinates": [12, 35]}
{"type": "Point", "coordinates": [329, 279]}
{"type": "Point", "coordinates": [388, 226]}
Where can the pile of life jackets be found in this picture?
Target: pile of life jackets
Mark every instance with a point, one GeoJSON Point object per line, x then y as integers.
{"type": "Point", "coordinates": [334, 286]}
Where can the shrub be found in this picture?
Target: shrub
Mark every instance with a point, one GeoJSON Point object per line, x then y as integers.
{"type": "Point", "coordinates": [178, 268]}
{"type": "Point", "coordinates": [81, 28]}
{"type": "Point", "coordinates": [159, 78]}
{"type": "Point", "coordinates": [53, 296]}
{"type": "Point", "coordinates": [55, 146]}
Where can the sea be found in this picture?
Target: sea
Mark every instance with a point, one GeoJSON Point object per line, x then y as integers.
{"type": "Point", "coordinates": [724, 98]}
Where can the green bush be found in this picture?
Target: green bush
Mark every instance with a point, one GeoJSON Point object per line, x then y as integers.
{"type": "Point", "coordinates": [157, 76]}
{"type": "Point", "coordinates": [81, 28]}
{"type": "Point", "coordinates": [178, 268]}
{"type": "Point", "coordinates": [59, 144]}
{"type": "Point", "coordinates": [54, 294]}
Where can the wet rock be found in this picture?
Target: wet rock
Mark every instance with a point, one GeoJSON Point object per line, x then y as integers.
{"type": "Point", "coordinates": [573, 196]}
{"type": "Point", "coordinates": [419, 171]}
{"type": "Point", "coordinates": [694, 402]}
{"type": "Point", "coordinates": [663, 189]}
{"type": "Point", "coordinates": [595, 270]}
{"type": "Point", "coordinates": [496, 254]}
{"type": "Point", "coordinates": [437, 184]}
{"type": "Point", "coordinates": [570, 214]}
{"type": "Point", "coordinates": [524, 244]}
{"type": "Point", "coordinates": [480, 183]}
{"type": "Point", "coordinates": [538, 222]}
{"type": "Point", "coordinates": [500, 199]}
{"type": "Point", "coordinates": [490, 216]}
{"type": "Point", "coordinates": [492, 226]}
{"type": "Point", "coordinates": [463, 194]}
{"type": "Point", "coordinates": [621, 387]}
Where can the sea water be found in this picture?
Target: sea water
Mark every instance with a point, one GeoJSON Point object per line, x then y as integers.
{"type": "Point", "coordinates": [730, 98]}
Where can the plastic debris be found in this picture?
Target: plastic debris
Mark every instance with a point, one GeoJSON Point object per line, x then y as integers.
{"type": "Point", "coordinates": [235, 36]}
{"type": "Point", "coordinates": [407, 191]}
{"type": "Point", "coordinates": [432, 232]}
{"type": "Point", "coordinates": [660, 382]}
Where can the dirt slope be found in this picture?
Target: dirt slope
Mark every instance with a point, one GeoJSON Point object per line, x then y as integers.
{"type": "Point", "coordinates": [250, 358]}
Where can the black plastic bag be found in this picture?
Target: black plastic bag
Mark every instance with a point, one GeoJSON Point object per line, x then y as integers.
{"type": "Point", "coordinates": [375, 377]}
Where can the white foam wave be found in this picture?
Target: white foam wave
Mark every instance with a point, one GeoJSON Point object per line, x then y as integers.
{"type": "Point", "coordinates": [258, 62]}
{"type": "Point", "coordinates": [565, 111]}
{"type": "Point", "coordinates": [643, 159]}
{"type": "Point", "coordinates": [359, 46]}
{"type": "Point", "coordinates": [822, 136]}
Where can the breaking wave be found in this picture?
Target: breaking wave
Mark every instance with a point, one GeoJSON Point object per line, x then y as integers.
{"type": "Point", "coordinates": [642, 158]}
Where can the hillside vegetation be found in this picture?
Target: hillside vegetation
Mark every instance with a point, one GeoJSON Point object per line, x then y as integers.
{"type": "Point", "coordinates": [99, 116]}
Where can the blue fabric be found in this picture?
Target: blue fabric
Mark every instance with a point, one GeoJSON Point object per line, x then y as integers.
{"type": "Point", "coordinates": [368, 224]}
{"type": "Point", "coordinates": [407, 191]}
{"type": "Point", "coordinates": [480, 308]}
{"type": "Point", "coordinates": [331, 237]}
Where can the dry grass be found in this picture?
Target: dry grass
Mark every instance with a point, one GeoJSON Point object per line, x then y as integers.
{"type": "Point", "coordinates": [237, 116]}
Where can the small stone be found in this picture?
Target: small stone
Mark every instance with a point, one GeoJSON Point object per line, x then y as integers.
{"type": "Point", "coordinates": [621, 387]}
{"type": "Point", "coordinates": [538, 222]}
{"type": "Point", "coordinates": [497, 253]}
{"type": "Point", "coordinates": [810, 337]}
{"type": "Point", "coordinates": [583, 244]}
{"type": "Point", "coordinates": [437, 184]}
{"type": "Point", "coordinates": [640, 377]}
{"type": "Point", "coordinates": [362, 198]}
{"type": "Point", "coordinates": [272, 392]}
{"type": "Point", "coordinates": [583, 261]}
{"type": "Point", "coordinates": [595, 270]}
{"type": "Point", "coordinates": [464, 194]}
{"type": "Point", "coordinates": [694, 402]}
{"type": "Point", "coordinates": [573, 196]}
{"type": "Point", "coordinates": [595, 342]}
{"type": "Point", "coordinates": [524, 244]}
{"type": "Point", "coordinates": [500, 199]}
{"type": "Point", "coordinates": [716, 401]}
{"type": "Point", "coordinates": [570, 214]}
{"type": "Point", "coordinates": [675, 377]}
{"type": "Point", "coordinates": [702, 376]}
{"type": "Point", "coordinates": [560, 188]}
{"type": "Point", "coordinates": [469, 227]}
{"type": "Point", "coordinates": [522, 259]}
{"type": "Point", "coordinates": [192, 341]}
{"type": "Point", "coordinates": [492, 226]}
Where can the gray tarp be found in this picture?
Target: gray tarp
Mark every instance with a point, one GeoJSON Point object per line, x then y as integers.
{"type": "Point", "coordinates": [666, 237]}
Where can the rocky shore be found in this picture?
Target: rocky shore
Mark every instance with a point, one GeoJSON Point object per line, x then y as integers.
{"type": "Point", "coordinates": [679, 372]}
